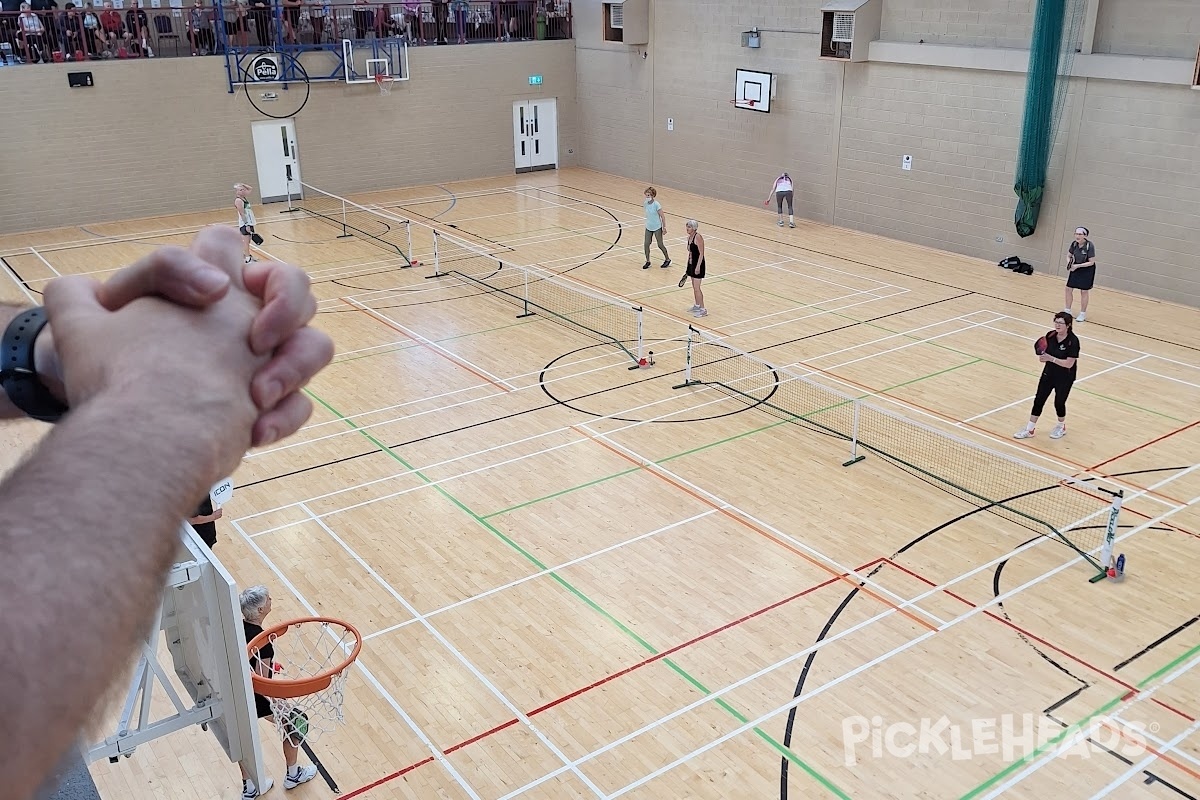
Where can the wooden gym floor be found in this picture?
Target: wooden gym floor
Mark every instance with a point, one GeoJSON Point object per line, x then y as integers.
{"type": "Point", "coordinates": [577, 581]}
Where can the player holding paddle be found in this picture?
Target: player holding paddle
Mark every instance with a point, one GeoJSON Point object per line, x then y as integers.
{"type": "Point", "coordinates": [1058, 350]}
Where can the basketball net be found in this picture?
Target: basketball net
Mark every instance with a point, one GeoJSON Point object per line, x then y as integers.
{"type": "Point", "coordinates": [384, 82]}
{"type": "Point", "coordinates": [306, 689]}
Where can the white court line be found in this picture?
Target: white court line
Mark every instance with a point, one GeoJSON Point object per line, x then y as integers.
{"type": "Point", "coordinates": [1158, 741]}
{"type": "Point", "coordinates": [1025, 400]}
{"type": "Point", "coordinates": [622, 363]}
{"type": "Point", "coordinates": [818, 371]}
{"type": "Point", "coordinates": [541, 573]}
{"type": "Point", "coordinates": [1142, 353]}
{"type": "Point", "coordinates": [434, 345]}
{"type": "Point", "coordinates": [20, 283]}
{"type": "Point", "coordinates": [818, 646]}
{"type": "Point", "coordinates": [1053, 752]}
{"type": "Point", "coordinates": [366, 673]}
{"type": "Point", "coordinates": [1042, 327]}
{"type": "Point", "coordinates": [49, 266]}
{"type": "Point", "coordinates": [457, 654]}
{"type": "Point", "coordinates": [1145, 762]}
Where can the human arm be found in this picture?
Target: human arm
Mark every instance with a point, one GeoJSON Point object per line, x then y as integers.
{"type": "Point", "coordinates": [89, 523]}
{"type": "Point", "coordinates": [700, 249]}
{"type": "Point", "coordinates": [200, 520]}
{"type": "Point", "coordinates": [281, 327]}
{"type": "Point", "coordinates": [1065, 363]}
{"type": "Point", "coordinates": [772, 194]}
{"type": "Point", "coordinates": [662, 218]}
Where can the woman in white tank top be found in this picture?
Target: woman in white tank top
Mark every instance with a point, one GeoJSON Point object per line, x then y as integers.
{"type": "Point", "coordinates": [241, 202]}
{"type": "Point", "coordinates": [782, 189]}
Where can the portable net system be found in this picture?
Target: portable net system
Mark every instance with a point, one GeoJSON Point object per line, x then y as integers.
{"type": "Point", "coordinates": [537, 291]}
{"type": "Point", "coordinates": [390, 233]}
{"type": "Point", "coordinates": [1071, 510]}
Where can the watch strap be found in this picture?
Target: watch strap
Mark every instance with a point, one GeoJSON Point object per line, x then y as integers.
{"type": "Point", "coordinates": [18, 374]}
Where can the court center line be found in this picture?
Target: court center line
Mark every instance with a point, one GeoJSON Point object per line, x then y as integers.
{"type": "Point", "coordinates": [49, 266]}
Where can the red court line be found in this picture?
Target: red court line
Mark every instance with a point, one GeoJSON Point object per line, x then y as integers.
{"type": "Point", "coordinates": [738, 518]}
{"type": "Point", "coordinates": [382, 320]}
{"type": "Point", "coordinates": [1050, 645]}
{"type": "Point", "coordinates": [1145, 445]}
{"type": "Point", "coordinates": [609, 678]}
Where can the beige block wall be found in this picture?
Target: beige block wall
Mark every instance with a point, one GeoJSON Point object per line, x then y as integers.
{"type": "Point", "coordinates": [165, 136]}
{"type": "Point", "coordinates": [980, 23]}
{"type": "Point", "coordinates": [1169, 28]}
{"type": "Point", "coordinates": [1124, 161]}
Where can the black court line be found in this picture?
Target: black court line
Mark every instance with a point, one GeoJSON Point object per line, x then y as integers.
{"type": "Point", "coordinates": [884, 269]}
{"type": "Point", "coordinates": [1160, 640]}
{"type": "Point", "coordinates": [22, 280]}
{"type": "Point", "coordinates": [808, 662]}
{"type": "Point", "coordinates": [333, 787]}
{"type": "Point", "coordinates": [375, 451]}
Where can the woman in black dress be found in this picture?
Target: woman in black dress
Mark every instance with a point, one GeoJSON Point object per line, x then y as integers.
{"type": "Point", "coordinates": [1081, 271]}
{"type": "Point", "coordinates": [695, 267]}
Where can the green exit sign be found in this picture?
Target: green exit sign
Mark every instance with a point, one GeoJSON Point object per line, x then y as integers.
{"type": "Point", "coordinates": [535, 80]}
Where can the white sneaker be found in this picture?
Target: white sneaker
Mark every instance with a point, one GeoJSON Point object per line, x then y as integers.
{"type": "Point", "coordinates": [693, 309]}
{"type": "Point", "coordinates": [1082, 317]}
{"type": "Point", "coordinates": [302, 775]}
{"type": "Point", "coordinates": [1024, 433]}
{"type": "Point", "coordinates": [250, 794]}
{"type": "Point", "coordinates": [700, 312]}
{"type": "Point", "coordinates": [1059, 431]}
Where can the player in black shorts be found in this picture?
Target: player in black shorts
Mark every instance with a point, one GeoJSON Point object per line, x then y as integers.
{"type": "Point", "coordinates": [1058, 376]}
{"type": "Point", "coordinates": [695, 267]}
{"type": "Point", "coordinates": [256, 605]}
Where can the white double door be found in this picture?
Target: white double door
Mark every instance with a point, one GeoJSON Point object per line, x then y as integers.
{"type": "Point", "coordinates": [535, 131]}
{"type": "Point", "coordinates": [277, 161]}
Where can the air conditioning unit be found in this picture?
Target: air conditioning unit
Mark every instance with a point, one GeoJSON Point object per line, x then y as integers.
{"type": "Point", "coordinates": [848, 27]}
{"type": "Point", "coordinates": [616, 16]}
{"type": "Point", "coordinates": [843, 27]}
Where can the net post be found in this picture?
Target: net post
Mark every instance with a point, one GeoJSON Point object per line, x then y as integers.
{"type": "Point", "coordinates": [1110, 536]}
{"type": "Point", "coordinates": [525, 296]}
{"type": "Point", "coordinates": [408, 239]}
{"type": "Point", "coordinates": [291, 209]}
{"type": "Point", "coordinates": [437, 262]}
{"type": "Point", "coordinates": [855, 457]}
{"type": "Point", "coordinates": [687, 361]}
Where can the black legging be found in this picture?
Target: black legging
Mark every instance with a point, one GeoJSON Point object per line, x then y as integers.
{"type": "Point", "coordinates": [780, 197]}
{"type": "Point", "coordinates": [1061, 388]}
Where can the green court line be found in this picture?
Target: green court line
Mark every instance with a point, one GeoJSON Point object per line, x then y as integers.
{"type": "Point", "coordinates": [939, 345]}
{"type": "Point", "coordinates": [720, 701]}
{"type": "Point", "coordinates": [710, 445]}
{"type": "Point", "coordinates": [1077, 726]}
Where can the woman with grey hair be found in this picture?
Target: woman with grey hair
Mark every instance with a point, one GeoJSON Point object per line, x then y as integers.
{"type": "Point", "coordinates": [256, 605]}
{"type": "Point", "coordinates": [246, 221]}
{"type": "Point", "coordinates": [695, 267]}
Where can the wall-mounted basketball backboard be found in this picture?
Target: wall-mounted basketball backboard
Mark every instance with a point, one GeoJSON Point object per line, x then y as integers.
{"type": "Point", "coordinates": [201, 626]}
{"type": "Point", "coordinates": [754, 90]}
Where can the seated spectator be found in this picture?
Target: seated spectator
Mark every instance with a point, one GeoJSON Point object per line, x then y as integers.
{"type": "Point", "coordinates": [200, 29]}
{"type": "Point", "coordinates": [74, 41]}
{"type": "Point", "coordinates": [412, 22]}
{"type": "Point", "coordinates": [112, 30]}
{"type": "Point", "coordinates": [138, 25]}
{"type": "Point", "coordinates": [92, 31]}
{"type": "Point", "coordinates": [32, 35]}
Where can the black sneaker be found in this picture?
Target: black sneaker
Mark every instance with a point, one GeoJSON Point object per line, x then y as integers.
{"type": "Point", "coordinates": [666, 263]}
{"type": "Point", "coordinates": [646, 265]}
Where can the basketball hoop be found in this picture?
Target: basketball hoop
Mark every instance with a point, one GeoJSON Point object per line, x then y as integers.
{"type": "Point", "coordinates": [384, 82]}
{"type": "Point", "coordinates": [746, 104]}
{"type": "Point", "coordinates": [308, 674]}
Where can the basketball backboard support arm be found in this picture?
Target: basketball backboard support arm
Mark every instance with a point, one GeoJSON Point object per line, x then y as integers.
{"type": "Point", "coordinates": [199, 615]}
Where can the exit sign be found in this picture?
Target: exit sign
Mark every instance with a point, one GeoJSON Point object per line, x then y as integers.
{"type": "Point", "coordinates": [535, 80]}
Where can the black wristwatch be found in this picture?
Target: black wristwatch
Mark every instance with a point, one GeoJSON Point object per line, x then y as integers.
{"type": "Point", "coordinates": [18, 375]}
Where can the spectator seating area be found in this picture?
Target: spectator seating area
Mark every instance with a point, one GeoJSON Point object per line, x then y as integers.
{"type": "Point", "coordinates": [40, 32]}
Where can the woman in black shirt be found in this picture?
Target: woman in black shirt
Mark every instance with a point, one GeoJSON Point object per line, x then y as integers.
{"type": "Point", "coordinates": [1058, 375]}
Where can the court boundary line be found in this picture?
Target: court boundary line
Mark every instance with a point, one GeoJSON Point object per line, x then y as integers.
{"type": "Point", "coordinates": [456, 654]}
